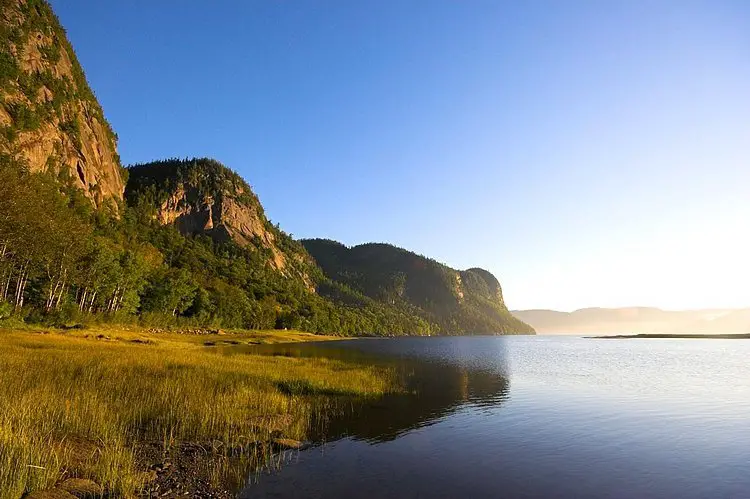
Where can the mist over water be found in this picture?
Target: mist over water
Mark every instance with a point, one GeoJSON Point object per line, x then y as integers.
{"type": "Point", "coordinates": [534, 417]}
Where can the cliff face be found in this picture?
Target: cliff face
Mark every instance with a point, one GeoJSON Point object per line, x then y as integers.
{"type": "Point", "coordinates": [49, 117]}
{"type": "Point", "coordinates": [201, 196]}
{"type": "Point", "coordinates": [395, 286]}
{"type": "Point", "coordinates": [483, 284]}
{"type": "Point", "coordinates": [469, 301]}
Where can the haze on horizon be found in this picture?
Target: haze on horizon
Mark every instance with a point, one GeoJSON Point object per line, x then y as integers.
{"type": "Point", "coordinates": [587, 153]}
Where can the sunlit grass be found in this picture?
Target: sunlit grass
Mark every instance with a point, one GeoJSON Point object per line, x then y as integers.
{"type": "Point", "coordinates": [72, 406]}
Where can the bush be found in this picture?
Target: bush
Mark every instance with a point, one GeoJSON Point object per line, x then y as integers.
{"type": "Point", "coordinates": [6, 309]}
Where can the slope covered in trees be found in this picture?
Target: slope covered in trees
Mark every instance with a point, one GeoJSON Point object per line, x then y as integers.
{"type": "Point", "coordinates": [202, 196]}
{"type": "Point", "coordinates": [454, 302]}
{"type": "Point", "coordinates": [190, 244]}
{"type": "Point", "coordinates": [62, 261]}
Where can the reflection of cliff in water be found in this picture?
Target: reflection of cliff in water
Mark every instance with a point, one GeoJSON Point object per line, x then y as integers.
{"type": "Point", "coordinates": [435, 391]}
{"type": "Point", "coordinates": [437, 384]}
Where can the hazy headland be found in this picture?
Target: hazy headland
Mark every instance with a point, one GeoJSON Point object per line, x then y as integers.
{"type": "Point", "coordinates": [634, 320]}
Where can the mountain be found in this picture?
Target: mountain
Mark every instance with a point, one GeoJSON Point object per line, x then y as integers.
{"type": "Point", "coordinates": [179, 242]}
{"type": "Point", "coordinates": [637, 320]}
{"type": "Point", "coordinates": [457, 302]}
{"type": "Point", "coordinates": [402, 293]}
{"type": "Point", "coordinates": [49, 117]}
{"type": "Point", "coordinates": [202, 196]}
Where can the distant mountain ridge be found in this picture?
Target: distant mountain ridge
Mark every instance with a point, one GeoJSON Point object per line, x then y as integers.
{"type": "Point", "coordinates": [637, 320]}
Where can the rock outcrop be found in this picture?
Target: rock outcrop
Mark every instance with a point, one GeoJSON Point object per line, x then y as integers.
{"type": "Point", "coordinates": [202, 196]}
{"type": "Point", "coordinates": [50, 119]}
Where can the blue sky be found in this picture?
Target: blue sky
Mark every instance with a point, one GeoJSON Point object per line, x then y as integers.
{"type": "Point", "coordinates": [588, 153]}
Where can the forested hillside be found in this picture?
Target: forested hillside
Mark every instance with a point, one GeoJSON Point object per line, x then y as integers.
{"type": "Point", "coordinates": [178, 242]}
{"type": "Point", "coordinates": [454, 302]}
{"type": "Point", "coordinates": [203, 197]}
{"type": "Point", "coordinates": [63, 262]}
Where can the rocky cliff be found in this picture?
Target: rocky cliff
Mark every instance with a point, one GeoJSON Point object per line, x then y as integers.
{"type": "Point", "coordinates": [459, 302]}
{"type": "Point", "coordinates": [229, 266]}
{"type": "Point", "coordinates": [50, 119]}
{"type": "Point", "coordinates": [391, 290]}
{"type": "Point", "coordinates": [202, 196]}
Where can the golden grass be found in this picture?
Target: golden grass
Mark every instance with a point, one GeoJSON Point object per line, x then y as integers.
{"type": "Point", "coordinates": [76, 406]}
{"type": "Point", "coordinates": [176, 337]}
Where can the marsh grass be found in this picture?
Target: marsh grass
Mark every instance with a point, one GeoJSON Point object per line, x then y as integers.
{"type": "Point", "coordinates": [75, 406]}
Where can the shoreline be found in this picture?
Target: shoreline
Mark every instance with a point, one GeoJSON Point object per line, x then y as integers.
{"type": "Point", "coordinates": [128, 411]}
{"type": "Point", "coordinates": [186, 336]}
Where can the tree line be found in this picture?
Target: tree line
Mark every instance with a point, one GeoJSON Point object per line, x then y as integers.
{"type": "Point", "coordinates": [63, 262]}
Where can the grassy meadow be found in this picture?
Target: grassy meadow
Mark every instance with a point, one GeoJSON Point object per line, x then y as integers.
{"type": "Point", "coordinates": [81, 403]}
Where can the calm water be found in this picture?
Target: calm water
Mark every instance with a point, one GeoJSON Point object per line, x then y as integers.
{"type": "Point", "coordinates": [535, 417]}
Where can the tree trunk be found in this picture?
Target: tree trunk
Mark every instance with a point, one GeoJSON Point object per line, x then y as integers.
{"type": "Point", "coordinates": [113, 300]}
{"type": "Point", "coordinates": [60, 294]}
{"type": "Point", "coordinates": [91, 304]}
{"type": "Point", "coordinates": [23, 288]}
{"type": "Point", "coordinates": [6, 285]}
{"type": "Point", "coordinates": [51, 295]}
{"type": "Point", "coordinates": [21, 285]}
{"type": "Point", "coordinates": [118, 306]}
{"type": "Point", "coordinates": [6, 273]}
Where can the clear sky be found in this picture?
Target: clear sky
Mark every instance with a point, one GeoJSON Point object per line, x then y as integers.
{"type": "Point", "coordinates": [588, 153]}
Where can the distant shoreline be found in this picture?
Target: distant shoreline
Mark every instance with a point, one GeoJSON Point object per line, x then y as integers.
{"type": "Point", "coordinates": [738, 336]}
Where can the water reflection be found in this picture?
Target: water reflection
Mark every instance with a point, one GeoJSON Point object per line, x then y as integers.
{"type": "Point", "coordinates": [434, 391]}
{"type": "Point", "coordinates": [439, 380]}
{"type": "Point", "coordinates": [586, 419]}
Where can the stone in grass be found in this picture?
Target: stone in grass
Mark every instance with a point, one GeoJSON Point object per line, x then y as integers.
{"type": "Point", "coordinates": [82, 488]}
{"type": "Point", "coordinates": [289, 443]}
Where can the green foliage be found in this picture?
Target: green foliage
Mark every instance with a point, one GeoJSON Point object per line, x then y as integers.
{"type": "Point", "coordinates": [169, 291]}
{"type": "Point", "coordinates": [51, 52]}
{"type": "Point", "coordinates": [6, 309]}
{"type": "Point", "coordinates": [34, 22]}
{"type": "Point", "coordinates": [154, 182]}
{"type": "Point", "coordinates": [23, 117]}
{"type": "Point", "coordinates": [452, 302]}
{"type": "Point", "coordinates": [124, 175]}
{"type": "Point", "coordinates": [64, 262]}
{"type": "Point", "coordinates": [73, 130]}
{"type": "Point", "coordinates": [9, 70]}
{"type": "Point", "coordinates": [61, 261]}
